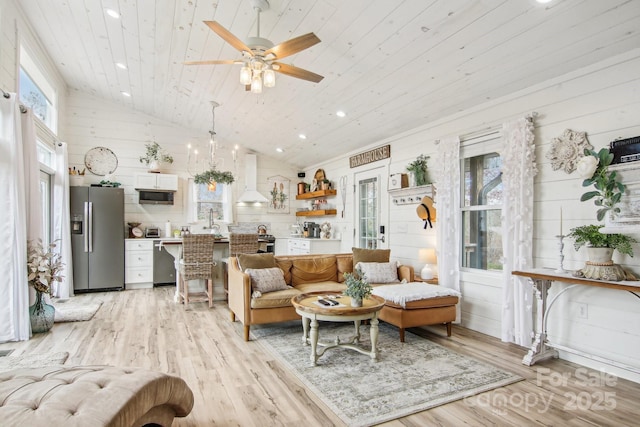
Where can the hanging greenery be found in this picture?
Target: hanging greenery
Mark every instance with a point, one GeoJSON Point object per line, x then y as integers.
{"type": "Point", "coordinates": [594, 168]}
{"type": "Point", "coordinates": [212, 175]}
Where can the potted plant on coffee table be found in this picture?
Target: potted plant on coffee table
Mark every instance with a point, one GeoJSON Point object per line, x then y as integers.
{"type": "Point", "coordinates": [357, 287]}
{"type": "Point", "coordinates": [600, 249]}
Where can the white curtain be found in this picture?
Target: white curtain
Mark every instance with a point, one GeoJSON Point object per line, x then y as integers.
{"type": "Point", "coordinates": [518, 171]}
{"type": "Point", "coordinates": [62, 221]}
{"type": "Point", "coordinates": [449, 216]}
{"type": "Point", "coordinates": [19, 220]}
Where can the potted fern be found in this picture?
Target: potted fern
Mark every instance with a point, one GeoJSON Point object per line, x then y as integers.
{"type": "Point", "coordinates": [600, 249]}
{"type": "Point", "coordinates": [357, 287]}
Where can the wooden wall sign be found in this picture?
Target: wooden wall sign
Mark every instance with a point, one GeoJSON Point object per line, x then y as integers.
{"type": "Point", "coordinates": [370, 156]}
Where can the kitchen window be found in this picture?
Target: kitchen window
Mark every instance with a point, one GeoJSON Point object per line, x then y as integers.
{"type": "Point", "coordinates": [216, 201]}
{"type": "Point", "coordinates": [481, 211]}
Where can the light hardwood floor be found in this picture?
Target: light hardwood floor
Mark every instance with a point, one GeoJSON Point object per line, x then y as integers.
{"type": "Point", "coordinates": [236, 383]}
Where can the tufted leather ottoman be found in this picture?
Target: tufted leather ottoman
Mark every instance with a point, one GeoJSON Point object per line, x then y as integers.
{"type": "Point", "coordinates": [91, 396]}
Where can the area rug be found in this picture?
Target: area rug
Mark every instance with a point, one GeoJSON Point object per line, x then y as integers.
{"type": "Point", "coordinates": [32, 360]}
{"type": "Point", "coordinates": [71, 310]}
{"type": "Point", "coordinates": [408, 377]}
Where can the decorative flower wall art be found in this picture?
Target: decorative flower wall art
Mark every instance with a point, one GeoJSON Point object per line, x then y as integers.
{"type": "Point", "coordinates": [567, 149]}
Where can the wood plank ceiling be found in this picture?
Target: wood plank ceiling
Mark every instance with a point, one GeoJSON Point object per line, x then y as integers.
{"type": "Point", "coordinates": [390, 65]}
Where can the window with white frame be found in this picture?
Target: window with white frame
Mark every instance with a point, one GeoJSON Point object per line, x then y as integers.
{"type": "Point", "coordinates": [481, 210]}
{"type": "Point", "coordinates": [36, 92]}
{"type": "Point", "coordinates": [213, 202]}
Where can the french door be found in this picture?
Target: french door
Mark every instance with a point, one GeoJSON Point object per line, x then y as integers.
{"type": "Point", "coordinates": [371, 208]}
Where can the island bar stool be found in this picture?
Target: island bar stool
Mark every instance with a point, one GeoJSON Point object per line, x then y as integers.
{"type": "Point", "coordinates": [240, 243]}
{"type": "Point", "coordinates": [196, 263]}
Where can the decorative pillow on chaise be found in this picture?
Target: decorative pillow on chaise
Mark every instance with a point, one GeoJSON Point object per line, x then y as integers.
{"type": "Point", "coordinates": [370, 255]}
{"type": "Point", "coordinates": [265, 280]}
{"type": "Point", "coordinates": [379, 272]}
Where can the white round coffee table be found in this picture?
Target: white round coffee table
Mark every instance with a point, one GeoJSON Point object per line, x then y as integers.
{"type": "Point", "coordinates": [307, 306]}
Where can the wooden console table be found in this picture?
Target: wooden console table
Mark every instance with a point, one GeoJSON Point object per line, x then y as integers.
{"type": "Point", "coordinates": [541, 279]}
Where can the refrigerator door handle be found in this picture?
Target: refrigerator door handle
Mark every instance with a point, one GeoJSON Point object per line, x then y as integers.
{"type": "Point", "coordinates": [86, 228]}
{"type": "Point", "coordinates": [90, 227]}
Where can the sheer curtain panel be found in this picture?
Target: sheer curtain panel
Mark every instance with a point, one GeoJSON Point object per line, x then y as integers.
{"type": "Point", "coordinates": [62, 221]}
{"type": "Point", "coordinates": [449, 224]}
{"type": "Point", "coordinates": [14, 291]}
{"type": "Point", "coordinates": [518, 171]}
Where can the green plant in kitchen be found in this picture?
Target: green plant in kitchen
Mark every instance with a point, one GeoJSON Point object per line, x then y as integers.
{"type": "Point", "coordinates": [213, 176]}
{"type": "Point", "coordinates": [419, 170]}
{"type": "Point", "coordinates": [155, 153]}
{"type": "Point", "coordinates": [593, 167]}
{"type": "Point", "coordinates": [591, 236]}
{"type": "Point", "coordinates": [358, 288]}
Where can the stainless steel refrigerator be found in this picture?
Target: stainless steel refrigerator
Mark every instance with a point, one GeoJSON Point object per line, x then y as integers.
{"type": "Point", "coordinates": [97, 238]}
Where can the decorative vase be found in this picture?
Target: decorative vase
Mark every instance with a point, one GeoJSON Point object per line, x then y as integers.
{"type": "Point", "coordinates": [41, 315]}
{"type": "Point", "coordinates": [154, 166]}
{"type": "Point", "coordinates": [356, 302]}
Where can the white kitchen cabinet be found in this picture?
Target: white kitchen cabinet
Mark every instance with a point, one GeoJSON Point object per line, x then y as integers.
{"type": "Point", "coordinates": [138, 263]}
{"type": "Point", "coordinates": [156, 181]}
{"type": "Point", "coordinates": [312, 246]}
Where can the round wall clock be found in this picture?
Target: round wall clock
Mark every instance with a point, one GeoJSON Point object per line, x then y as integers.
{"type": "Point", "coordinates": [101, 161]}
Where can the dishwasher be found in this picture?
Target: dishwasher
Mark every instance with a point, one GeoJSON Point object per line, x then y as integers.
{"type": "Point", "coordinates": [164, 271]}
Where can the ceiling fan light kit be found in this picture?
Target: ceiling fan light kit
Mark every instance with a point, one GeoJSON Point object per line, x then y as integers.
{"type": "Point", "coordinates": [259, 55]}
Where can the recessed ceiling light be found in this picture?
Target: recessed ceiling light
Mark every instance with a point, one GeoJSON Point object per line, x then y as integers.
{"type": "Point", "coordinates": [340, 113]}
{"type": "Point", "coordinates": [544, 1]}
{"type": "Point", "coordinates": [121, 65]}
{"type": "Point", "coordinates": [127, 94]}
{"type": "Point", "coordinates": [302, 136]}
{"type": "Point", "coordinates": [112, 13]}
{"type": "Point", "coordinates": [280, 150]}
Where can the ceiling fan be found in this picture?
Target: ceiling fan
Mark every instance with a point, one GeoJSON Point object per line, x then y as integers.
{"type": "Point", "coordinates": [261, 56]}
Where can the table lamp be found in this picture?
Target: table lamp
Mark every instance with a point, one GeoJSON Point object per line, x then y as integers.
{"type": "Point", "coordinates": [428, 256]}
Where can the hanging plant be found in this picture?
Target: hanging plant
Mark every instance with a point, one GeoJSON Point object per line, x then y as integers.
{"type": "Point", "coordinates": [214, 176]}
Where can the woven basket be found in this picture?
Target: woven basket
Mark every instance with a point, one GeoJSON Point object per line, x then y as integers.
{"type": "Point", "coordinates": [197, 256]}
{"type": "Point", "coordinates": [243, 244]}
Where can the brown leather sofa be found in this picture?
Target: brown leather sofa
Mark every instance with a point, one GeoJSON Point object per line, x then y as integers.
{"type": "Point", "coordinates": [305, 273]}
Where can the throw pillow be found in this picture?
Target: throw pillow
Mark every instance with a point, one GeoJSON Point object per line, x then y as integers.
{"type": "Point", "coordinates": [370, 255]}
{"type": "Point", "coordinates": [379, 272]}
{"type": "Point", "coordinates": [265, 260]}
{"type": "Point", "coordinates": [265, 280]}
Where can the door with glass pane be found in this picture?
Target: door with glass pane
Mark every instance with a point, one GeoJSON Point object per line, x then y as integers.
{"type": "Point", "coordinates": [371, 209]}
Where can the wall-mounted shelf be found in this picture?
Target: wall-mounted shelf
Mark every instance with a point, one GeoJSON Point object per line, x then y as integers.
{"type": "Point", "coordinates": [316, 194]}
{"type": "Point", "coordinates": [322, 212]}
{"type": "Point", "coordinates": [411, 195]}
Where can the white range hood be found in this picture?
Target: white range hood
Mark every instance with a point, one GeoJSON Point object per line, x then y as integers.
{"type": "Point", "coordinates": [251, 194]}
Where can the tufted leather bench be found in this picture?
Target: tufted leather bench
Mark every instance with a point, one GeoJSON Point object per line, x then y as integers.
{"type": "Point", "coordinates": [91, 396]}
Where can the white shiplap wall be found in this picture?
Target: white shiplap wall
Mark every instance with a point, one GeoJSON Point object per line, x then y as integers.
{"type": "Point", "coordinates": [603, 100]}
{"type": "Point", "coordinates": [92, 122]}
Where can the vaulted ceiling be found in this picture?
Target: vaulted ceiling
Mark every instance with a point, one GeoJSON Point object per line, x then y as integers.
{"type": "Point", "coordinates": [390, 65]}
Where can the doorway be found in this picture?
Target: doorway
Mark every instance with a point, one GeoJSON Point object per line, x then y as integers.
{"type": "Point", "coordinates": [371, 209]}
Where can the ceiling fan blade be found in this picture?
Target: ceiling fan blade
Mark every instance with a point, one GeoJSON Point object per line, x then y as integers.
{"type": "Point", "coordinates": [292, 46]}
{"type": "Point", "coordinates": [296, 72]}
{"type": "Point", "coordinates": [212, 62]}
{"type": "Point", "coordinates": [228, 37]}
